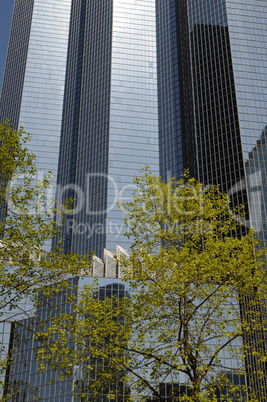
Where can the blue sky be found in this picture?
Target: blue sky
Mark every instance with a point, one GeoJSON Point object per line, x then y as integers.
{"type": "Point", "coordinates": [6, 8]}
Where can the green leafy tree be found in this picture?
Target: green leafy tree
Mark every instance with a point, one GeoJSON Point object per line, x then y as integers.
{"type": "Point", "coordinates": [193, 274]}
{"type": "Point", "coordinates": [27, 225]}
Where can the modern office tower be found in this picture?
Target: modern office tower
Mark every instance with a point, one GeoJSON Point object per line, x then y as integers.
{"type": "Point", "coordinates": [186, 77]}
{"type": "Point", "coordinates": [24, 382]}
{"type": "Point", "coordinates": [34, 78]}
{"type": "Point", "coordinates": [255, 168]}
{"type": "Point", "coordinates": [222, 78]}
{"type": "Point", "coordinates": [176, 113]}
{"type": "Point", "coordinates": [22, 379]}
{"type": "Point", "coordinates": [212, 102]}
{"type": "Point", "coordinates": [224, 51]}
{"type": "Point", "coordinates": [33, 84]}
{"type": "Point", "coordinates": [110, 116]}
{"type": "Point", "coordinates": [170, 134]}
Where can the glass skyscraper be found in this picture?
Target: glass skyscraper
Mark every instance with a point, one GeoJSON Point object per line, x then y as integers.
{"type": "Point", "coordinates": [22, 378]}
{"type": "Point", "coordinates": [103, 55]}
{"type": "Point", "coordinates": [222, 74]}
{"type": "Point", "coordinates": [212, 102]}
{"type": "Point", "coordinates": [224, 52]}
{"type": "Point", "coordinates": [107, 87]}
{"type": "Point", "coordinates": [110, 116]}
{"type": "Point", "coordinates": [33, 85]}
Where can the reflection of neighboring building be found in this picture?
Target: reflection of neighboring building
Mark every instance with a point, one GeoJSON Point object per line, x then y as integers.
{"type": "Point", "coordinates": [256, 173]}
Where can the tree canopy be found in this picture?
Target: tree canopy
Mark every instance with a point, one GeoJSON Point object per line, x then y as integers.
{"type": "Point", "coordinates": [190, 327]}
{"type": "Point", "coordinates": [27, 267]}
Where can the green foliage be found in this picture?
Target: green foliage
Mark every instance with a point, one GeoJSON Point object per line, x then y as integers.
{"type": "Point", "coordinates": [193, 273]}
{"type": "Point", "coordinates": [27, 224]}
{"type": "Point", "coordinates": [27, 272]}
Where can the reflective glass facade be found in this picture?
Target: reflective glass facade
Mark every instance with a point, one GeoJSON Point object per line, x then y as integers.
{"type": "Point", "coordinates": [169, 86]}
{"type": "Point", "coordinates": [110, 123]}
{"type": "Point", "coordinates": [5, 329]}
{"type": "Point", "coordinates": [228, 44]}
{"type": "Point", "coordinates": [33, 85]}
{"type": "Point", "coordinates": [227, 40]}
{"type": "Point", "coordinates": [219, 149]}
{"type": "Point", "coordinates": [185, 80]}
{"type": "Point", "coordinates": [83, 159]}
{"type": "Point", "coordinates": [248, 33]}
{"type": "Point", "coordinates": [222, 85]}
{"type": "Point", "coordinates": [27, 384]}
{"type": "Point", "coordinates": [177, 139]}
{"type": "Point", "coordinates": [133, 138]}
{"type": "Point", "coordinates": [42, 99]}
{"type": "Point", "coordinates": [12, 87]}
{"type": "Point", "coordinates": [24, 381]}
